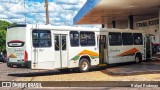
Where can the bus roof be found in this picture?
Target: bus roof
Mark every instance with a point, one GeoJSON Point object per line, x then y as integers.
{"type": "Point", "coordinates": [18, 25]}
{"type": "Point", "coordinates": [61, 28]}
{"type": "Point", "coordinates": [74, 28]}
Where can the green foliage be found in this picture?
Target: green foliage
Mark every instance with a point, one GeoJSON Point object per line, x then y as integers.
{"type": "Point", "coordinates": [2, 39]}
{"type": "Point", "coordinates": [3, 28]}
{"type": "Point", "coordinates": [4, 25]}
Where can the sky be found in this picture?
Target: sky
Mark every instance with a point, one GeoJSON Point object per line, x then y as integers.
{"type": "Point", "coordinates": [61, 12]}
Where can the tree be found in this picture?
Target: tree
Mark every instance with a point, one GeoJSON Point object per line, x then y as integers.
{"type": "Point", "coordinates": [2, 40]}
{"type": "Point", "coordinates": [3, 28]}
{"type": "Point", "coordinates": [4, 25]}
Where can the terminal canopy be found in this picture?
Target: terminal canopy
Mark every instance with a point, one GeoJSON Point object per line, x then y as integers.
{"type": "Point", "coordinates": [102, 11]}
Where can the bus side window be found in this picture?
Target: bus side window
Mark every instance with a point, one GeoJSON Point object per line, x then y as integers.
{"type": "Point", "coordinates": [127, 38]}
{"type": "Point", "coordinates": [138, 40]}
{"type": "Point", "coordinates": [115, 38]}
{"type": "Point", "coordinates": [74, 38]}
{"type": "Point", "coordinates": [87, 38]}
{"type": "Point", "coordinates": [35, 39]}
{"type": "Point", "coordinates": [41, 38]}
{"type": "Point", "coordinates": [56, 42]}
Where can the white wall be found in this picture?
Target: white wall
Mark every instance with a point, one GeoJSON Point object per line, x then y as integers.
{"type": "Point", "coordinates": [151, 26]}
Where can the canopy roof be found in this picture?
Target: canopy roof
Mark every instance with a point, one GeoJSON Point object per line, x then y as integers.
{"type": "Point", "coordinates": [102, 11]}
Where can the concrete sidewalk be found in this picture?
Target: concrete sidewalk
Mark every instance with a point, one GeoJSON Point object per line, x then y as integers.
{"type": "Point", "coordinates": [124, 72]}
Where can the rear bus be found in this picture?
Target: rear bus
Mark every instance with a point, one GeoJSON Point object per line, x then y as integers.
{"type": "Point", "coordinates": [16, 46]}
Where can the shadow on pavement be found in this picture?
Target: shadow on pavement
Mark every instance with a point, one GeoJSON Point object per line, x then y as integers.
{"type": "Point", "coordinates": [147, 67]}
{"type": "Point", "coordinates": [52, 72]}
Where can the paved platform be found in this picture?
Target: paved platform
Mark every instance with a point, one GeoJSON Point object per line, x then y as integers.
{"type": "Point", "coordinates": [146, 67]}
{"type": "Point", "coordinates": [121, 72]}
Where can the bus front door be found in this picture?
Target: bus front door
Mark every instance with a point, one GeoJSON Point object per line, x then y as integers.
{"type": "Point", "coordinates": [102, 49]}
{"type": "Point", "coordinates": [148, 46]}
{"type": "Point", "coordinates": [60, 45]}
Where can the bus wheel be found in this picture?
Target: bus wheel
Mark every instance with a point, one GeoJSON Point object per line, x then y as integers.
{"type": "Point", "coordinates": [84, 65]}
{"type": "Point", "coordinates": [138, 59]}
{"type": "Point", "coordinates": [9, 65]}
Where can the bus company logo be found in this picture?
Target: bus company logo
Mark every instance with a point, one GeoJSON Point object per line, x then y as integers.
{"type": "Point", "coordinates": [6, 84]}
{"type": "Point", "coordinates": [12, 56]}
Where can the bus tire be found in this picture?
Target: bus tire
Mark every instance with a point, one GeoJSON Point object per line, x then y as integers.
{"type": "Point", "coordinates": [138, 59]}
{"type": "Point", "coordinates": [84, 65]}
{"type": "Point", "coordinates": [9, 65]}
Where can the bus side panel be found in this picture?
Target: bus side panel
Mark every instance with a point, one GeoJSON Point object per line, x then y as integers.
{"type": "Point", "coordinates": [118, 54]}
{"type": "Point", "coordinates": [29, 45]}
{"type": "Point", "coordinates": [77, 52]}
{"type": "Point", "coordinates": [42, 57]}
{"type": "Point", "coordinates": [113, 52]}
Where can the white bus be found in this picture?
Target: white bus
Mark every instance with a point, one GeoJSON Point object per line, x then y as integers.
{"type": "Point", "coordinates": [64, 47]}
{"type": "Point", "coordinates": [119, 45]}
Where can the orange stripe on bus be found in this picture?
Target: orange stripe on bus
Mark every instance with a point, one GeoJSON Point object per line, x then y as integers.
{"type": "Point", "coordinates": [88, 52]}
{"type": "Point", "coordinates": [131, 51]}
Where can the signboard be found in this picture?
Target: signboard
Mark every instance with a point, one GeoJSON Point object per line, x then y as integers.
{"type": "Point", "coordinates": [151, 26]}
{"type": "Point", "coordinates": [148, 23]}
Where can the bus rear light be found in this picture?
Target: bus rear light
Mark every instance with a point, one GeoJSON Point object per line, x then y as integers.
{"type": "Point", "coordinates": [25, 56]}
